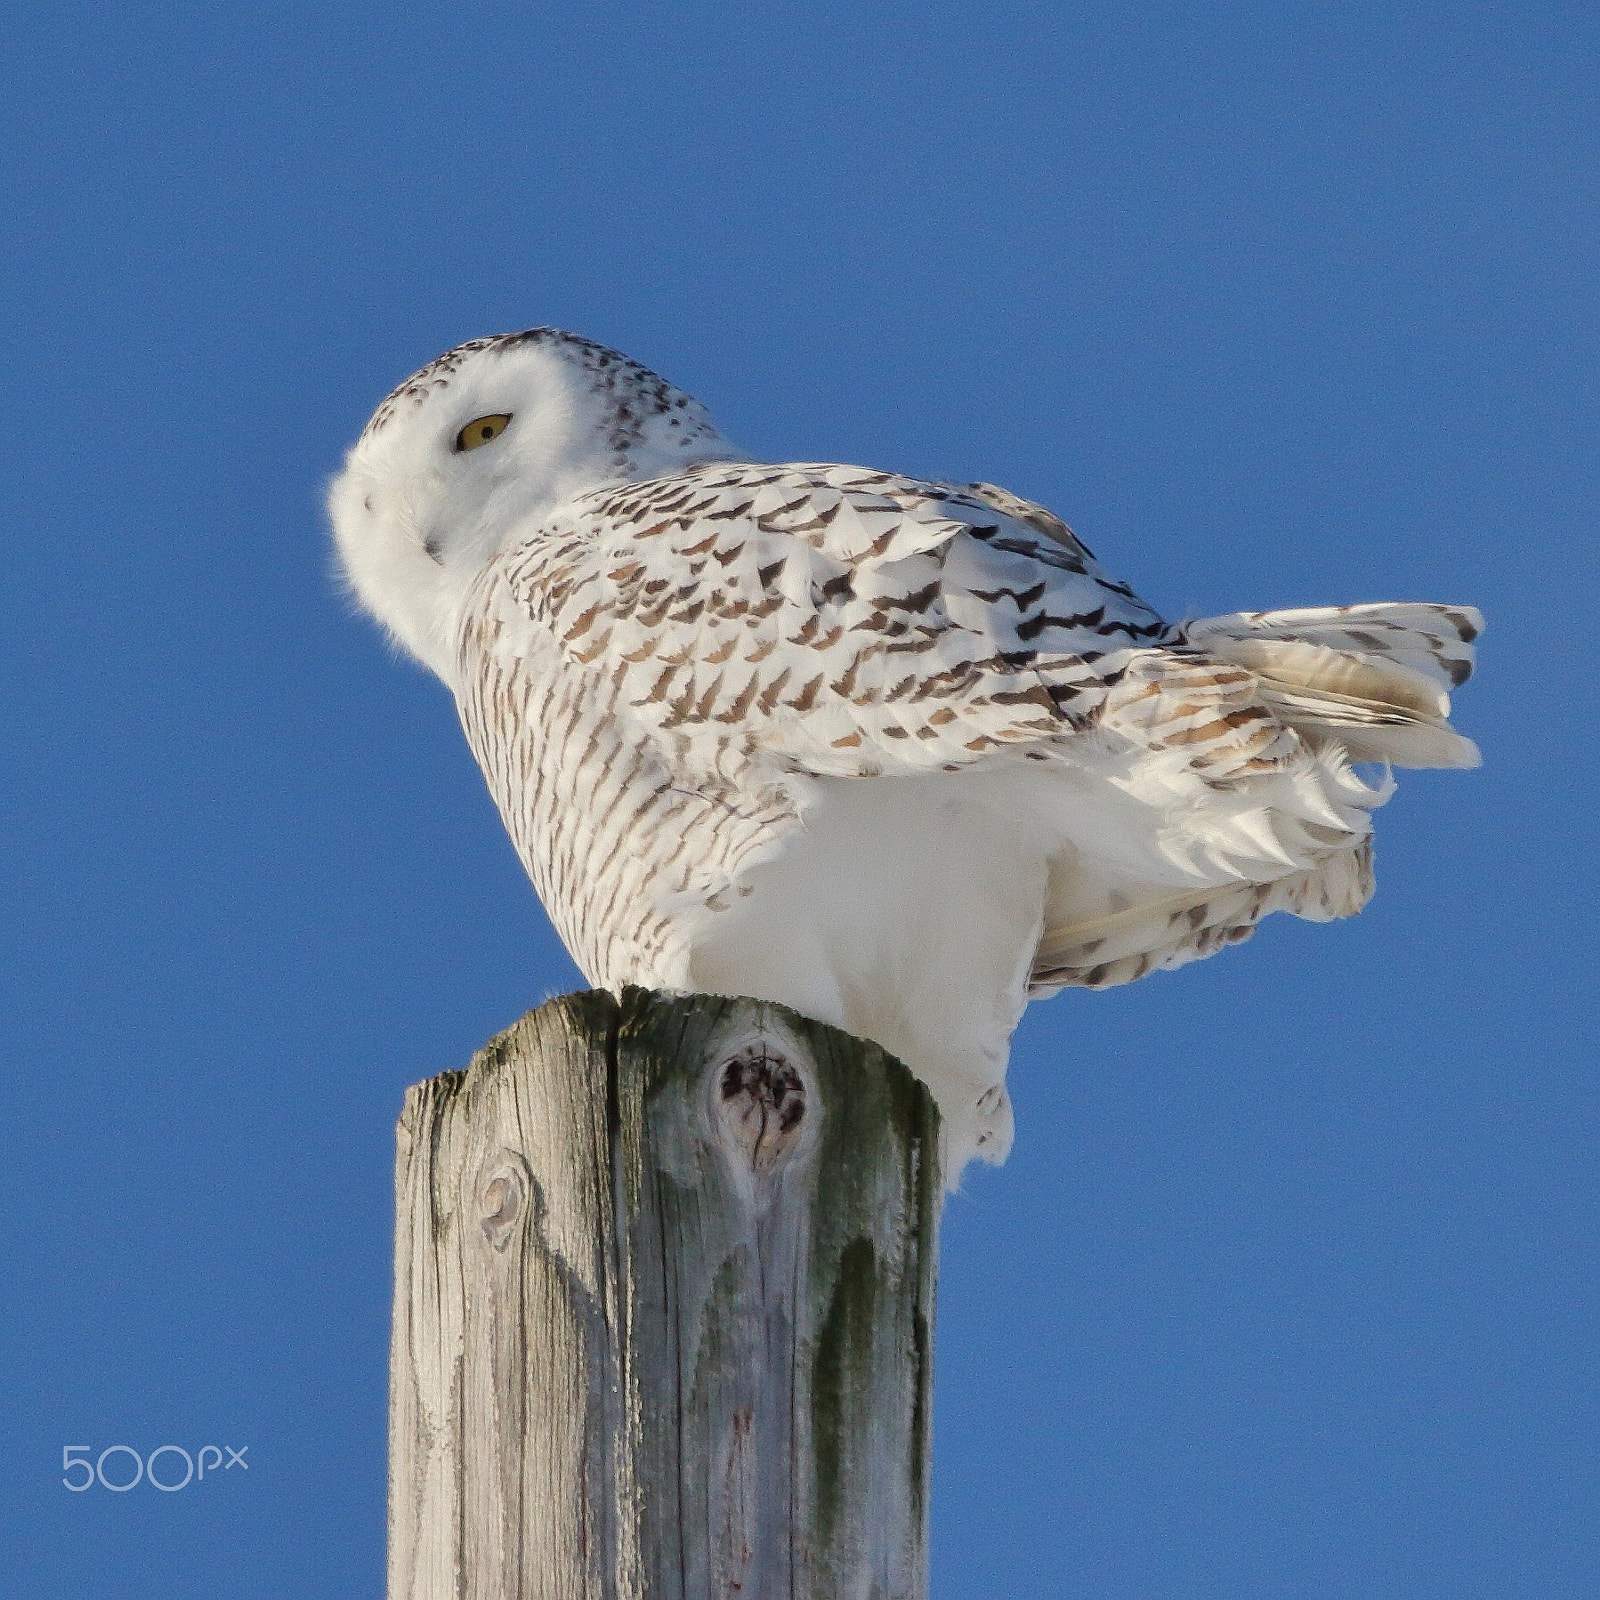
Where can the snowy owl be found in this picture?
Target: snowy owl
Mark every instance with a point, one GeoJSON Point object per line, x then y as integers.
{"type": "Point", "coordinates": [899, 754]}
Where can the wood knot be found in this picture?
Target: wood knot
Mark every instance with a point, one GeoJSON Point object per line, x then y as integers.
{"type": "Point", "coordinates": [500, 1202]}
{"type": "Point", "coordinates": [761, 1103]}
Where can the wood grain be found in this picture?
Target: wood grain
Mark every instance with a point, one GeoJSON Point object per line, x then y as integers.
{"type": "Point", "coordinates": [664, 1292]}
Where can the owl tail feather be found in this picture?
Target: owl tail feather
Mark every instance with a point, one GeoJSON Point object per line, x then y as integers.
{"type": "Point", "coordinates": [1373, 679]}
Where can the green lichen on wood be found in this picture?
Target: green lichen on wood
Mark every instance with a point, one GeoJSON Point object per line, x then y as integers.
{"type": "Point", "coordinates": [841, 1381]}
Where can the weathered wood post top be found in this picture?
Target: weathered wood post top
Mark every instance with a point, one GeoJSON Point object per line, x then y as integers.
{"type": "Point", "coordinates": [664, 1286]}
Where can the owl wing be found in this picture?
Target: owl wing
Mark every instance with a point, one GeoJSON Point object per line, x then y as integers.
{"type": "Point", "coordinates": [749, 621]}
{"type": "Point", "coordinates": [845, 622]}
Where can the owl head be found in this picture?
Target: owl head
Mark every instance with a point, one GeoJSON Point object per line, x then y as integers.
{"type": "Point", "coordinates": [469, 452]}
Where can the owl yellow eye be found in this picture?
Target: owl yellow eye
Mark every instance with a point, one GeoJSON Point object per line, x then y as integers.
{"type": "Point", "coordinates": [481, 430]}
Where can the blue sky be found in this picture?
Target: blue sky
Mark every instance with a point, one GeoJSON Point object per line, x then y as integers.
{"type": "Point", "coordinates": [1289, 1287]}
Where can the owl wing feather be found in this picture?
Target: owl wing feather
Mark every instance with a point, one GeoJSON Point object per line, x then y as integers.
{"type": "Point", "coordinates": [751, 621]}
{"type": "Point", "coordinates": [856, 623]}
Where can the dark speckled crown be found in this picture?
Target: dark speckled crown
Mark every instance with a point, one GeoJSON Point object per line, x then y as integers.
{"type": "Point", "coordinates": [629, 394]}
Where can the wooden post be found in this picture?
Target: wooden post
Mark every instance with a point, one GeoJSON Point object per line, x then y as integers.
{"type": "Point", "coordinates": [664, 1280]}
